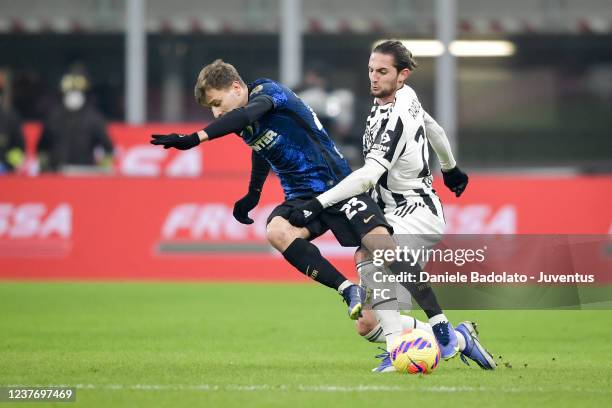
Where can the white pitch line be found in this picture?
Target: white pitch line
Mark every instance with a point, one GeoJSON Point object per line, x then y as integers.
{"type": "Point", "coordinates": [385, 388]}
{"type": "Point", "coordinates": [307, 388]}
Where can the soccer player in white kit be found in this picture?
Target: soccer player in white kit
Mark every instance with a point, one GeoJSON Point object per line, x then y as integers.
{"type": "Point", "coordinates": [396, 170]}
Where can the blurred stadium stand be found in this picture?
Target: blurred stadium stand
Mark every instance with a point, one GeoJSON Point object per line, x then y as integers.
{"type": "Point", "coordinates": [408, 16]}
{"type": "Point", "coordinates": [526, 110]}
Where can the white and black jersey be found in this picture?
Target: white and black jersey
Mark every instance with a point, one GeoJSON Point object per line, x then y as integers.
{"type": "Point", "coordinates": [395, 138]}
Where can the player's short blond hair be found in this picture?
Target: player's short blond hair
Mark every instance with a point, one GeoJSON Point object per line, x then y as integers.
{"type": "Point", "coordinates": [216, 75]}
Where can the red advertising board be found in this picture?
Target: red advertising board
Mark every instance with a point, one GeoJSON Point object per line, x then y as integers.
{"type": "Point", "coordinates": [136, 157]}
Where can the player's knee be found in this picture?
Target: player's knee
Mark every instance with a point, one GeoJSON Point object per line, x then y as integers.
{"type": "Point", "coordinates": [362, 255]}
{"type": "Point", "coordinates": [362, 328]}
{"type": "Point", "coordinates": [366, 324]}
{"type": "Point", "coordinates": [276, 233]}
{"type": "Point", "coordinates": [379, 240]}
{"type": "Point", "coordinates": [281, 234]}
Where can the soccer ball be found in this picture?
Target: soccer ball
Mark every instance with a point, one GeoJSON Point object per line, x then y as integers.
{"type": "Point", "coordinates": [416, 352]}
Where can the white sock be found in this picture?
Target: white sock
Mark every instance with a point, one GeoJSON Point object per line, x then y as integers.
{"type": "Point", "coordinates": [385, 309]}
{"type": "Point", "coordinates": [439, 318]}
{"type": "Point", "coordinates": [409, 322]}
{"type": "Point", "coordinates": [391, 325]}
{"type": "Point", "coordinates": [375, 335]}
{"type": "Point", "coordinates": [344, 285]}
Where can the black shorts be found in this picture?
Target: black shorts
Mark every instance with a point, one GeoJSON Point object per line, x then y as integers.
{"type": "Point", "coordinates": [349, 220]}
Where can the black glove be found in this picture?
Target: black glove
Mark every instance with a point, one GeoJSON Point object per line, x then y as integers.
{"type": "Point", "coordinates": [181, 142]}
{"type": "Point", "coordinates": [303, 214]}
{"type": "Point", "coordinates": [244, 205]}
{"type": "Point", "coordinates": [455, 180]}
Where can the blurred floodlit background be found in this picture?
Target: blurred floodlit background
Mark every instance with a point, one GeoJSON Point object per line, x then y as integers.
{"type": "Point", "coordinates": [542, 98]}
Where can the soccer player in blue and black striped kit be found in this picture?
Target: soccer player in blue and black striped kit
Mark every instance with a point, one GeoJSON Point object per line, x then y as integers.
{"type": "Point", "coordinates": [287, 137]}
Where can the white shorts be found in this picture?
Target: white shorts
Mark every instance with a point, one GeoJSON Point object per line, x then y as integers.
{"type": "Point", "coordinates": [420, 221]}
{"type": "Point", "coordinates": [420, 228]}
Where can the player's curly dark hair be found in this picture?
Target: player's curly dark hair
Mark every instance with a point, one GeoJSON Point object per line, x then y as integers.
{"type": "Point", "coordinates": [402, 55]}
{"type": "Point", "coordinates": [216, 75]}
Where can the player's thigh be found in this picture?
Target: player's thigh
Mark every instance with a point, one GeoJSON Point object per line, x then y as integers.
{"type": "Point", "coordinates": [280, 233]}
{"type": "Point", "coordinates": [404, 298]}
{"type": "Point", "coordinates": [419, 229]}
{"type": "Point", "coordinates": [352, 219]}
{"type": "Point", "coordinates": [378, 239]}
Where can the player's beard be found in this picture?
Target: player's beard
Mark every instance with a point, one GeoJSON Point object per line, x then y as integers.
{"type": "Point", "coordinates": [382, 93]}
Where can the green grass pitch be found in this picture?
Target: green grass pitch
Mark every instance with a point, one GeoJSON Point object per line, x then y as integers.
{"type": "Point", "coordinates": [226, 345]}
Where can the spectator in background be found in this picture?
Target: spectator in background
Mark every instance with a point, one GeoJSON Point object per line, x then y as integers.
{"type": "Point", "coordinates": [334, 107]}
{"type": "Point", "coordinates": [315, 93]}
{"type": "Point", "coordinates": [12, 145]}
{"type": "Point", "coordinates": [74, 134]}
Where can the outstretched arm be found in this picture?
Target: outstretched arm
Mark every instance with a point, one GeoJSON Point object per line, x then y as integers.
{"type": "Point", "coordinates": [238, 119]}
{"type": "Point", "coordinates": [232, 122]}
{"type": "Point", "coordinates": [359, 181]}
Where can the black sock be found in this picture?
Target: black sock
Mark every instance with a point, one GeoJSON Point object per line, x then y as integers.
{"type": "Point", "coordinates": [420, 291]}
{"type": "Point", "coordinates": [308, 259]}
